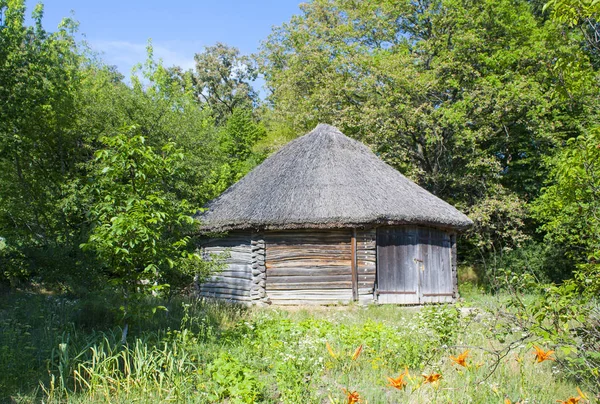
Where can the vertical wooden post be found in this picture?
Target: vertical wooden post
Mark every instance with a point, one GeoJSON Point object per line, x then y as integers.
{"type": "Point", "coordinates": [453, 261]}
{"type": "Point", "coordinates": [354, 267]}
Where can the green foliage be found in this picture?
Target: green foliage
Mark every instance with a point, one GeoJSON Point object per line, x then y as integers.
{"type": "Point", "coordinates": [39, 146]}
{"type": "Point", "coordinates": [442, 322]}
{"type": "Point", "coordinates": [141, 230]}
{"type": "Point", "coordinates": [222, 80]}
{"type": "Point", "coordinates": [461, 96]}
{"type": "Point", "coordinates": [238, 137]}
{"type": "Point", "coordinates": [564, 317]}
{"type": "Point", "coordinates": [569, 207]}
{"type": "Point", "coordinates": [163, 112]}
{"type": "Point", "coordinates": [205, 352]}
{"type": "Point", "coordinates": [583, 15]}
{"type": "Point", "coordinates": [230, 380]}
{"type": "Point", "coordinates": [572, 11]}
{"type": "Point", "coordinates": [544, 260]}
{"type": "Point", "coordinates": [487, 104]}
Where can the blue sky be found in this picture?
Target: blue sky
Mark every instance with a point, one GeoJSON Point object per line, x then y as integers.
{"type": "Point", "coordinates": [179, 29]}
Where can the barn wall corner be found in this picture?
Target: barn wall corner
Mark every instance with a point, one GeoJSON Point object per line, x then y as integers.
{"type": "Point", "coordinates": [258, 292]}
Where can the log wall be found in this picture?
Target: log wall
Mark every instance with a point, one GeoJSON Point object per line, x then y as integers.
{"type": "Point", "coordinates": [242, 279]}
{"type": "Point", "coordinates": [308, 267]}
{"type": "Point", "coordinates": [316, 266]}
{"type": "Point", "coordinates": [258, 292]}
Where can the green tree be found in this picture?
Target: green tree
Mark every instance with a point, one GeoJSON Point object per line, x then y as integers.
{"type": "Point", "coordinates": [164, 111]}
{"type": "Point", "coordinates": [239, 137]}
{"type": "Point", "coordinates": [459, 95]}
{"type": "Point", "coordinates": [40, 148]}
{"type": "Point", "coordinates": [222, 79]}
{"type": "Point", "coordinates": [582, 15]}
{"type": "Point", "coordinates": [569, 207]}
{"type": "Point", "coordinates": [141, 231]}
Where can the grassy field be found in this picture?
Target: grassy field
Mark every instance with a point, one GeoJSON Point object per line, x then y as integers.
{"type": "Point", "coordinates": [60, 350]}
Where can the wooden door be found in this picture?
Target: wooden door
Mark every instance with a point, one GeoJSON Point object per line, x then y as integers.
{"type": "Point", "coordinates": [414, 265]}
{"type": "Point", "coordinates": [397, 265]}
{"type": "Point", "coordinates": [436, 283]}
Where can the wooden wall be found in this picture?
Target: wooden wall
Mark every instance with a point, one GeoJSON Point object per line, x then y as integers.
{"type": "Point", "coordinates": [316, 266]}
{"type": "Point", "coordinates": [366, 260]}
{"type": "Point", "coordinates": [242, 279]}
{"type": "Point", "coordinates": [309, 267]}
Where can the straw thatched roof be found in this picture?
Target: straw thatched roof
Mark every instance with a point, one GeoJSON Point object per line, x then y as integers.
{"type": "Point", "coordinates": [325, 180]}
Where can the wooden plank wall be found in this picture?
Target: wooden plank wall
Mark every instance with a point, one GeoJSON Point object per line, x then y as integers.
{"type": "Point", "coordinates": [308, 266]}
{"type": "Point", "coordinates": [234, 282]}
{"type": "Point", "coordinates": [366, 258]}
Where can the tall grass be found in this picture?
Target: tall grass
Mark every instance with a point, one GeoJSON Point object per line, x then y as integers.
{"type": "Point", "coordinates": [205, 352]}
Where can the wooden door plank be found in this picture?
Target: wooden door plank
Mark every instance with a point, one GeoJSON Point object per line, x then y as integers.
{"type": "Point", "coordinates": [353, 266]}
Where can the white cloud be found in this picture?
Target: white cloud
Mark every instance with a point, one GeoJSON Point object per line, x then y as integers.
{"type": "Point", "coordinates": [125, 54]}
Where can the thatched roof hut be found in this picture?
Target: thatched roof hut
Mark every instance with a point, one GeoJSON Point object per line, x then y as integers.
{"type": "Point", "coordinates": [309, 211]}
{"type": "Point", "coordinates": [327, 180]}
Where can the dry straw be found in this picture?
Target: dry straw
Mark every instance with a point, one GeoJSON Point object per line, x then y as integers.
{"type": "Point", "coordinates": [326, 180]}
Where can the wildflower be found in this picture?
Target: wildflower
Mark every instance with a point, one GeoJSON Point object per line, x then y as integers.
{"type": "Point", "coordinates": [399, 382]}
{"type": "Point", "coordinates": [570, 400]}
{"type": "Point", "coordinates": [574, 400]}
{"type": "Point", "coordinates": [541, 355]}
{"type": "Point", "coordinates": [461, 359]}
{"type": "Point", "coordinates": [507, 401]}
{"type": "Point", "coordinates": [357, 353]}
{"type": "Point", "coordinates": [431, 378]}
{"type": "Point", "coordinates": [330, 350]}
{"type": "Point", "coordinates": [353, 396]}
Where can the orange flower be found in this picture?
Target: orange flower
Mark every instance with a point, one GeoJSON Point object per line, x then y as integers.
{"type": "Point", "coordinates": [574, 400]}
{"type": "Point", "coordinates": [330, 350]}
{"type": "Point", "coordinates": [461, 359]}
{"type": "Point", "coordinates": [399, 382]}
{"type": "Point", "coordinates": [357, 353]}
{"type": "Point", "coordinates": [570, 400]}
{"type": "Point", "coordinates": [507, 401]}
{"type": "Point", "coordinates": [431, 378]}
{"type": "Point", "coordinates": [541, 355]}
{"type": "Point", "coordinates": [353, 396]}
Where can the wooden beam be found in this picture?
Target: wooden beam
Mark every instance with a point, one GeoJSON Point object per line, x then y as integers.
{"type": "Point", "coordinates": [353, 266]}
{"type": "Point", "coordinates": [309, 285]}
{"type": "Point", "coordinates": [453, 261]}
{"type": "Point", "coordinates": [396, 292]}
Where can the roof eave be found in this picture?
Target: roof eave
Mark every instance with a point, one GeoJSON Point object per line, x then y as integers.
{"type": "Point", "coordinates": [225, 227]}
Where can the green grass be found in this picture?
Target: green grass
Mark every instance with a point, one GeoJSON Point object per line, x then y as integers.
{"type": "Point", "coordinates": [60, 350]}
